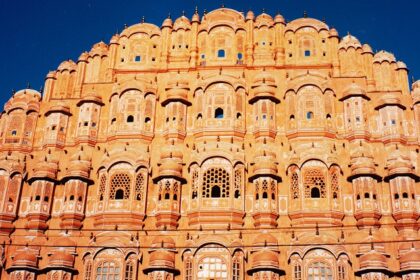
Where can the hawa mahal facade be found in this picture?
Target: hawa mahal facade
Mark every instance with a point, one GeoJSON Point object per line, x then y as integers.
{"type": "Point", "coordinates": [225, 146]}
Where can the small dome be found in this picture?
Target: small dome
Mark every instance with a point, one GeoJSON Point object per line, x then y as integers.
{"type": "Point", "coordinates": [333, 33]}
{"type": "Point", "coordinates": [349, 41]}
{"type": "Point", "coordinates": [416, 85]}
{"type": "Point", "coordinates": [249, 15]}
{"type": "Point", "coordinates": [382, 56]}
{"type": "Point", "coordinates": [367, 49]}
{"type": "Point", "coordinates": [83, 57]}
{"type": "Point", "coordinates": [114, 39]}
{"type": "Point", "coordinates": [68, 65]}
{"type": "Point", "coordinates": [195, 17]}
{"type": "Point", "coordinates": [167, 22]}
{"type": "Point", "coordinates": [182, 23]}
{"type": "Point", "coordinates": [279, 19]}
{"type": "Point", "coordinates": [146, 28]}
{"type": "Point", "coordinates": [100, 49]}
{"type": "Point", "coordinates": [51, 75]}
{"type": "Point", "coordinates": [306, 22]}
{"type": "Point", "coordinates": [264, 20]}
{"type": "Point", "coordinates": [162, 259]}
{"type": "Point", "coordinates": [401, 65]}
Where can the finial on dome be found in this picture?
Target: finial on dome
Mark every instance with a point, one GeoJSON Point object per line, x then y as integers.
{"type": "Point", "coordinates": [323, 20]}
{"type": "Point", "coordinates": [169, 15]}
{"type": "Point", "coordinates": [223, 5]}
{"type": "Point", "coordinates": [13, 91]}
{"type": "Point", "coordinates": [183, 13]}
{"type": "Point", "coordinates": [28, 85]}
{"type": "Point", "coordinates": [205, 12]}
{"type": "Point", "coordinates": [196, 10]}
{"type": "Point", "coordinates": [348, 33]}
{"type": "Point", "coordinates": [125, 25]}
{"type": "Point", "coordinates": [142, 19]}
{"type": "Point", "coordinates": [263, 10]}
{"type": "Point", "coordinates": [305, 14]}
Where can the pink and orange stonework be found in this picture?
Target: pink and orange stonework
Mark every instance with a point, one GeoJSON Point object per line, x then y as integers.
{"type": "Point", "coordinates": [225, 146]}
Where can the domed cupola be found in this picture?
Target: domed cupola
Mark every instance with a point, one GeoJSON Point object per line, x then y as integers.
{"type": "Point", "coordinates": [177, 90]}
{"type": "Point", "coordinates": [99, 49]}
{"type": "Point", "coordinates": [409, 260]}
{"type": "Point", "coordinates": [170, 165]}
{"type": "Point", "coordinates": [67, 65]}
{"type": "Point", "coordinates": [415, 93]}
{"type": "Point", "coordinates": [399, 164]}
{"type": "Point", "coordinates": [264, 87]}
{"type": "Point", "coordinates": [25, 259]}
{"type": "Point", "coordinates": [362, 163]}
{"type": "Point", "coordinates": [354, 90]}
{"type": "Point", "coordinates": [182, 23]}
{"type": "Point", "coordinates": [264, 20]}
{"type": "Point", "coordinates": [167, 23]}
{"type": "Point", "coordinates": [26, 99]}
{"type": "Point", "coordinates": [349, 41]}
{"type": "Point", "coordinates": [264, 164]}
{"type": "Point", "coordinates": [367, 49]}
{"type": "Point", "coordinates": [162, 258]}
{"type": "Point", "coordinates": [250, 15]}
{"type": "Point", "coordinates": [333, 33]}
{"type": "Point", "coordinates": [46, 168]}
{"type": "Point", "coordinates": [382, 56]}
{"type": "Point", "coordinates": [265, 258]}
{"type": "Point", "coordinates": [279, 19]}
{"type": "Point", "coordinates": [373, 259]}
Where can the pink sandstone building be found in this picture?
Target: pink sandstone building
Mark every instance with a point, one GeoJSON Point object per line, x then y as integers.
{"type": "Point", "coordinates": [227, 146]}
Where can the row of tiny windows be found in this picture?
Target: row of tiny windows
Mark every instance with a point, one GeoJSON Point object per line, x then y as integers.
{"type": "Point", "coordinates": [221, 53]}
{"type": "Point", "coordinates": [130, 119]}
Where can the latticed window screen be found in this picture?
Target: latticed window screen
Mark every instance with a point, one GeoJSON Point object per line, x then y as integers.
{"type": "Point", "coordinates": [319, 271]}
{"type": "Point", "coordinates": [295, 185]}
{"type": "Point", "coordinates": [236, 270]}
{"type": "Point", "coordinates": [297, 272]}
{"type": "Point", "coordinates": [88, 271]}
{"type": "Point", "coordinates": [129, 271]}
{"type": "Point", "coordinates": [139, 187]}
{"type": "Point", "coordinates": [264, 188]}
{"type": "Point", "coordinates": [194, 184]}
{"type": "Point", "coordinates": [216, 178]}
{"type": "Point", "coordinates": [313, 178]}
{"type": "Point", "coordinates": [102, 185]}
{"type": "Point", "coordinates": [341, 272]}
{"type": "Point", "coordinates": [188, 269]}
{"type": "Point", "coordinates": [108, 271]}
{"type": "Point", "coordinates": [273, 189]}
{"type": "Point", "coordinates": [120, 182]}
{"type": "Point", "coordinates": [334, 184]}
{"type": "Point", "coordinates": [238, 182]}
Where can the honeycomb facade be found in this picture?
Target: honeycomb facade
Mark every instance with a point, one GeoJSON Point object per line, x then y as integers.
{"type": "Point", "coordinates": [225, 146]}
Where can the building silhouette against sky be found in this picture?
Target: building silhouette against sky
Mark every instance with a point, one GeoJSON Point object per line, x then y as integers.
{"type": "Point", "coordinates": [225, 146]}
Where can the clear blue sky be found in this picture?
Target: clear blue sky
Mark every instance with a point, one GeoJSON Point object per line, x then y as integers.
{"type": "Point", "coordinates": [38, 34]}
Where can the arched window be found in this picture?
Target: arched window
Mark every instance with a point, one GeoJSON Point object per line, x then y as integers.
{"type": "Point", "coordinates": [367, 195]}
{"type": "Point", "coordinates": [119, 194]}
{"type": "Point", "coordinates": [120, 186]}
{"type": "Point", "coordinates": [218, 113]}
{"type": "Point", "coordinates": [167, 196]}
{"type": "Point", "coordinates": [319, 270]}
{"type": "Point", "coordinates": [215, 191]}
{"type": "Point", "coordinates": [188, 268]}
{"type": "Point", "coordinates": [236, 269]}
{"type": "Point", "coordinates": [102, 184]}
{"type": "Point", "coordinates": [108, 271]}
{"type": "Point", "coordinates": [396, 196]}
{"type": "Point", "coordinates": [130, 119]}
{"type": "Point", "coordinates": [88, 271]}
{"type": "Point", "coordinates": [221, 53]}
{"type": "Point", "coordinates": [265, 195]}
{"type": "Point", "coordinates": [315, 193]}
{"type": "Point", "coordinates": [405, 195]}
{"type": "Point", "coordinates": [309, 115]}
{"type": "Point", "coordinates": [129, 271]}
{"type": "Point", "coordinates": [295, 185]}
{"type": "Point", "coordinates": [297, 272]}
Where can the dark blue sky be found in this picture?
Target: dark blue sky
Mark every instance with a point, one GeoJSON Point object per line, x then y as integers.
{"type": "Point", "coordinates": [38, 34]}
